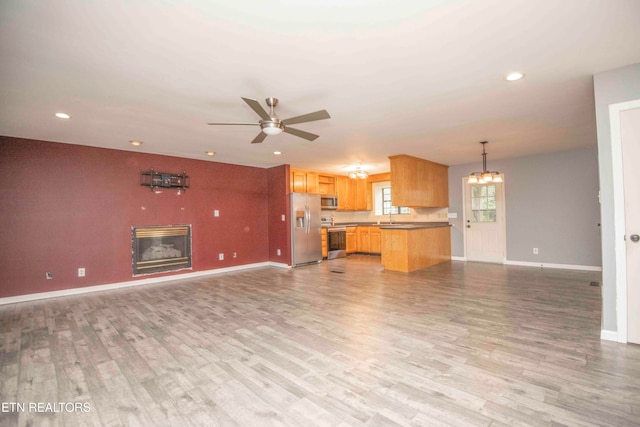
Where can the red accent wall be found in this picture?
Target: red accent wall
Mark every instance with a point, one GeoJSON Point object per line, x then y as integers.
{"type": "Point", "coordinates": [68, 206]}
{"type": "Point", "coordinates": [279, 204]}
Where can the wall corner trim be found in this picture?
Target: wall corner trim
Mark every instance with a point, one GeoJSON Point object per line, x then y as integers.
{"type": "Point", "coordinates": [458, 258]}
{"type": "Point", "coordinates": [128, 284]}
{"type": "Point", "coordinates": [608, 335]}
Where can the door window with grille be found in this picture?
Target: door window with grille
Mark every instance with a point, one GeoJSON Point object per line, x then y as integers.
{"type": "Point", "coordinates": [483, 202]}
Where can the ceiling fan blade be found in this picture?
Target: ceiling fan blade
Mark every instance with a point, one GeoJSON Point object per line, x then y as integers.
{"type": "Point", "coordinates": [300, 133]}
{"type": "Point", "coordinates": [255, 106]}
{"type": "Point", "coordinates": [234, 123]}
{"type": "Point", "coordinates": [261, 136]}
{"type": "Point", "coordinates": [311, 117]}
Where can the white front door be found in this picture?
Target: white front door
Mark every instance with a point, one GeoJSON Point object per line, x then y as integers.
{"type": "Point", "coordinates": [630, 138]}
{"type": "Point", "coordinates": [484, 220]}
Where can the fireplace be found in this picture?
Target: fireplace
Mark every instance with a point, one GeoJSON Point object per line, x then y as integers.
{"type": "Point", "coordinates": [160, 248]}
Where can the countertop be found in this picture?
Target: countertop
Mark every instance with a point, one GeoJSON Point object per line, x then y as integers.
{"type": "Point", "coordinates": [397, 225]}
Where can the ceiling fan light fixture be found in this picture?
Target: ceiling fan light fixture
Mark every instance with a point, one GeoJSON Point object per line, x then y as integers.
{"type": "Point", "coordinates": [271, 128]}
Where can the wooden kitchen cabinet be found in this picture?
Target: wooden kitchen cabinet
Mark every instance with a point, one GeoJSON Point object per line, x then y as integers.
{"type": "Point", "coordinates": [374, 240]}
{"type": "Point", "coordinates": [302, 181]}
{"type": "Point", "coordinates": [353, 194]}
{"type": "Point", "coordinates": [352, 240]}
{"type": "Point", "coordinates": [418, 182]}
{"type": "Point", "coordinates": [362, 232]}
{"type": "Point", "coordinates": [325, 250]}
{"type": "Point", "coordinates": [360, 187]}
{"type": "Point", "coordinates": [368, 238]}
{"type": "Point", "coordinates": [342, 190]}
{"type": "Point", "coordinates": [326, 184]}
{"type": "Point", "coordinates": [412, 249]}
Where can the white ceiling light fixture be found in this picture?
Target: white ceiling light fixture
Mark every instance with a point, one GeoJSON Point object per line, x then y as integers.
{"type": "Point", "coordinates": [210, 153]}
{"type": "Point", "coordinates": [512, 77]}
{"type": "Point", "coordinates": [63, 116]}
{"type": "Point", "coordinates": [277, 153]}
{"type": "Point", "coordinates": [486, 175]}
{"type": "Point", "coordinates": [358, 173]}
{"type": "Point", "coordinates": [272, 128]}
{"type": "Point", "coordinates": [135, 142]}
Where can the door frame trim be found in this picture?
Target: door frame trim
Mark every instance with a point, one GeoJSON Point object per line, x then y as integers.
{"type": "Point", "coordinates": [619, 227]}
{"type": "Point", "coordinates": [503, 207]}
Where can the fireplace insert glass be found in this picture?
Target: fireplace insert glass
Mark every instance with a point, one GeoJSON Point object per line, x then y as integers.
{"type": "Point", "coordinates": [160, 248]}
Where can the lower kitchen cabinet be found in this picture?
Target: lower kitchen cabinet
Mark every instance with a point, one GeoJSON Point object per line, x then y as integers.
{"type": "Point", "coordinates": [374, 240]}
{"type": "Point", "coordinates": [411, 249]}
{"type": "Point", "coordinates": [352, 240]}
{"type": "Point", "coordinates": [325, 251]}
{"type": "Point", "coordinates": [368, 239]}
{"type": "Point", "coordinates": [363, 239]}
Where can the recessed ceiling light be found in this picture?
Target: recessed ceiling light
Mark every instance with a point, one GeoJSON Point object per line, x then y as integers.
{"type": "Point", "coordinates": [63, 116]}
{"type": "Point", "coordinates": [136, 142]}
{"type": "Point", "coordinates": [210, 153]}
{"type": "Point", "coordinates": [277, 153]}
{"type": "Point", "coordinates": [512, 77]}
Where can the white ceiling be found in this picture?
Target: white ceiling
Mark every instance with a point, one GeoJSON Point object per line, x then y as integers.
{"type": "Point", "coordinates": [419, 77]}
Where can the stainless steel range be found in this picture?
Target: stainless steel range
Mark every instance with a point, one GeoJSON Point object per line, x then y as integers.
{"type": "Point", "coordinates": [336, 239]}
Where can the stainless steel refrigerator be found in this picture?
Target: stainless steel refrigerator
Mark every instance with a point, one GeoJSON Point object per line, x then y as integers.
{"type": "Point", "coordinates": [306, 230]}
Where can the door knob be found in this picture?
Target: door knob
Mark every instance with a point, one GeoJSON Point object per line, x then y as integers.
{"type": "Point", "coordinates": [634, 238]}
{"type": "Point", "coordinates": [468, 226]}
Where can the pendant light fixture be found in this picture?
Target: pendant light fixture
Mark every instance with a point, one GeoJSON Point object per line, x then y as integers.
{"type": "Point", "coordinates": [358, 173]}
{"type": "Point", "coordinates": [486, 175]}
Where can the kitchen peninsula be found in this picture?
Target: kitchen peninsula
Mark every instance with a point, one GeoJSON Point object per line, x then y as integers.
{"type": "Point", "coordinates": [409, 247]}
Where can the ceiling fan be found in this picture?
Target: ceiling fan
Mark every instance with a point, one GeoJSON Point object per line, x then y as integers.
{"type": "Point", "coordinates": [272, 125]}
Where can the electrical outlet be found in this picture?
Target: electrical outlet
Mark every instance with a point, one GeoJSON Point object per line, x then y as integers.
{"type": "Point", "coordinates": [535, 251]}
{"type": "Point", "coordinates": [283, 217]}
{"type": "Point", "coordinates": [81, 272]}
{"type": "Point", "coordinates": [48, 275]}
{"type": "Point", "coordinates": [235, 255]}
{"type": "Point", "coordinates": [221, 257]}
{"type": "Point", "coordinates": [279, 252]}
{"type": "Point", "coordinates": [216, 213]}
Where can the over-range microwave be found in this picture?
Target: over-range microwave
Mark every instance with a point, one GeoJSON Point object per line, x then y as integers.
{"type": "Point", "coordinates": [328, 201]}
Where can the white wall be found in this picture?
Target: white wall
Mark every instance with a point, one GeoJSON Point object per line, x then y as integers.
{"type": "Point", "coordinates": [610, 87]}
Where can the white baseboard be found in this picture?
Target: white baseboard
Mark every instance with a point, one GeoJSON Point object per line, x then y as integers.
{"type": "Point", "coordinates": [458, 258]}
{"type": "Point", "coordinates": [131, 283]}
{"type": "Point", "coordinates": [550, 265]}
{"type": "Point", "coordinates": [609, 335]}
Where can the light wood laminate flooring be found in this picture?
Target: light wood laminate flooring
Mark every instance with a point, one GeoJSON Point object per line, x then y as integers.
{"type": "Point", "coordinates": [341, 343]}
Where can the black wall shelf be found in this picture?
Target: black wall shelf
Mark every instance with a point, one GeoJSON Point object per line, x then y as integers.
{"type": "Point", "coordinates": [153, 180]}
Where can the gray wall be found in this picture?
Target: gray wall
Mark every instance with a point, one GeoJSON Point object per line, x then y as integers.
{"type": "Point", "coordinates": [551, 204]}
{"type": "Point", "coordinates": [610, 87]}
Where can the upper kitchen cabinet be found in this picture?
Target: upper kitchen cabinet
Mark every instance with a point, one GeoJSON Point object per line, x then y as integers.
{"type": "Point", "coordinates": [326, 184]}
{"type": "Point", "coordinates": [304, 181]}
{"type": "Point", "coordinates": [418, 183]}
{"type": "Point", "coordinates": [353, 194]}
